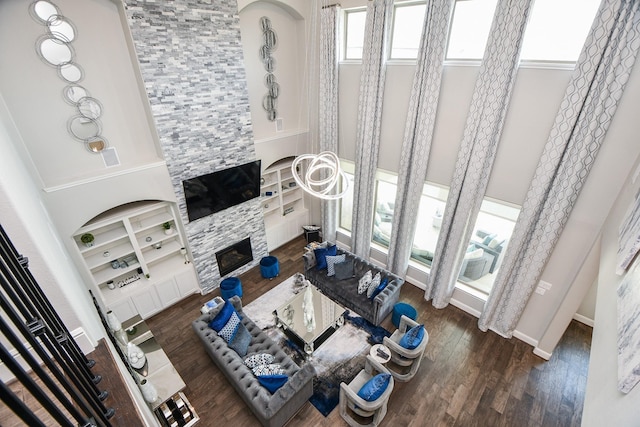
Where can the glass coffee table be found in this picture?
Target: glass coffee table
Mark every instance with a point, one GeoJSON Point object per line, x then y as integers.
{"type": "Point", "coordinates": [310, 318]}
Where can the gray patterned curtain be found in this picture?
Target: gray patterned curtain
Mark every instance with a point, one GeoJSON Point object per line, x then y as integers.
{"type": "Point", "coordinates": [479, 144]}
{"type": "Point", "coordinates": [418, 132]}
{"type": "Point", "coordinates": [372, 77]}
{"type": "Point", "coordinates": [581, 124]}
{"type": "Point", "coordinates": [328, 99]}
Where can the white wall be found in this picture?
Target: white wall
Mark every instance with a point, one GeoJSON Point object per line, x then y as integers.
{"type": "Point", "coordinates": [604, 404]}
{"type": "Point", "coordinates": [33, 91]}
{"type": "Point", "coordinates": [29, 226]}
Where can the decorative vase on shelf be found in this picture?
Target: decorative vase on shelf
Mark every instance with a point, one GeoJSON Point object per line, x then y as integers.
{"type": "Point", "coordinates": [149, 392]}
{"type": "Point", "coordinates": [116, 328]}
{"type": "Point", "coordinates": [135, 356]}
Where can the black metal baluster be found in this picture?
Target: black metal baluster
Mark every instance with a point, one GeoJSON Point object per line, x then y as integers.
{"type": "Point", "coordinates": [18, 407]}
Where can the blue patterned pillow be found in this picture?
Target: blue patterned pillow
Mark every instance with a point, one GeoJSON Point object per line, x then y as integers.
{"type": "Point", "coordinates": [229, 330]}
{"type": "Point", "coordinates": [272, 369]}
{"type": "Point", "coordinates": [321, 255]}
{"type": "Point", "coordinates": [375, 282]}
{"type": "Point", "coordinates": [373, 389]}
{"type": "Point", "coordinates": [332, 261]}
{"type": "Point", "coordinates": [412, 338]}
{"type": "Point", "coordinates": [272, 382]}
{"type": "Point", "coordinates": [258, 359]}
{"type": "Point", "coordinates": [381, 286]}
{"type": "Point", "coordinates": [364, 282]}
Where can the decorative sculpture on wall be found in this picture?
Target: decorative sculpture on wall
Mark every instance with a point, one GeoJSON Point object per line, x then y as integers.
{"type": "Point", "coordinates": [55, 49]}
{"type": "Point", "coordinates": [270, 42]}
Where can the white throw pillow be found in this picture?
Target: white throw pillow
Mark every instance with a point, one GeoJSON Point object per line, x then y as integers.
{"type": "Point", "coordinates": [374, 285]}
{"type": "Point", "coordinates": [364, 282]}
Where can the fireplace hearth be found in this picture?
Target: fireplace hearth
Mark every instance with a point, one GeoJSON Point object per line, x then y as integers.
{"type": "Point", "coordinates": [235, 256]}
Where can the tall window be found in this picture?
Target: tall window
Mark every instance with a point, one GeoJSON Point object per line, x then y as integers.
{"type": "Point", "coordinates": [354, 21]}
{"type": "Point", "coordinates": [346, 202]}
{"type": "Point", "coordinates": [557, 29]}
{"type": "Point", "coordinates": [432, 203]}
{"type": "Point", "coordinates": [384, 206]}
{"type": "Point", "coordinates": [488, 243]}
{"type": "Point", "coordinates": [407, 29]}
{"type": "Point", "coordinates": [470, 28]}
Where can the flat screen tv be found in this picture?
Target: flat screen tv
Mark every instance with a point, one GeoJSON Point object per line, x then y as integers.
{"type": "Point", "coordinates": [211, 193]}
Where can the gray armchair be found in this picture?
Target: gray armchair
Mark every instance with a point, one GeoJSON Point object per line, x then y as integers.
{"type": "Point", "coordinates": [350, 402]}
{"type": "Point", "coordinates": [475, 268]}
{"type": "Point", "coordinates": [404, 362]}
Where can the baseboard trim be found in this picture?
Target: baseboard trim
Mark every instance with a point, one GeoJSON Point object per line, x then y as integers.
{"type": "Point", "coordinates": [526, 338]}
{"type": "Point", "coordinates": [583, 319]}
{"type": "Point", "coordinates": [78, 334]}
{"type": "Point", "coordinates": [539, 352]}
{"type": "Point", "coordinates": [465, 307]}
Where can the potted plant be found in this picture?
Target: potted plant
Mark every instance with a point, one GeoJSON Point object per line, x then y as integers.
{"type": "Point", "coordinates": [87, 239]}
{"type": "Point", "coordinates": [167, 228]}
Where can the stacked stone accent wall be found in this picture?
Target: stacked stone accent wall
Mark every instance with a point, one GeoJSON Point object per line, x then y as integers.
{"type": "Point", "coordinates": [191, 60]}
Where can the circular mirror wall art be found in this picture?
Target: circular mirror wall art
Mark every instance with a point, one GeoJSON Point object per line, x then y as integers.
{"type": "Point", "coordinates": [83, 128]}
{"type": "Point", "coordinates": [70, 72]}
{"type": "Point", "coordinates": [54, 51]}
{"type": "Point", "coordinates": [269, 44]}
{"type": "Point", "coordinates": [43, 10]}
{"type": "Point", "coordinates": [74, 93]}
{"type": "Point", "coordinates": [60, 28]}
{"type": "Point", "coordinates": [89, 107]}
{"type": "Point", "coordinates": [96, 144]}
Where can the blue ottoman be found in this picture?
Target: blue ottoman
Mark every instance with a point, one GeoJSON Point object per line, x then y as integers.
{"type": "Point", "coordinates": [230, 287]}
{"type": "Point", "coordinates": [269, 267]}
{"type": "Point", "coordinates": [400, 309]}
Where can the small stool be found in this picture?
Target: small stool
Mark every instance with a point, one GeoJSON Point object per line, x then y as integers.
{"type": "Point", "coordinates": [229, 287]}
{"type": "Point", "coordinates": [402, 308]}
{"type": "Point", "coordinates": [269, 267]}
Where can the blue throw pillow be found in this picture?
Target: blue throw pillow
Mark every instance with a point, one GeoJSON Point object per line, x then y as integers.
{"type": "Point", "coordinates": [412, 338]}
{"type": "Point", "coordinates": [381, 286]}
{"type": "Point", "coordinates": [240, 340]}
{"type": "Point", "coordinates": [321, 255]}
{"type": "Point", "coordinates": [221, 319]}
{"type": "Point", "coordinates": [373, 389]}
{"type": "Point", "coordinates": [272, 382]}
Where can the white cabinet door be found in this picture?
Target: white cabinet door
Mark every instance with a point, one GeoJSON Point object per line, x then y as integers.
{"type": "Point", "coordinates": [124, 309]}
{"type": "Point", "coordinates": [187, 282]}
{"type": "Point", "coordinates": [168, 292]}
{"type": "Point", "coordinates": [147, 303]}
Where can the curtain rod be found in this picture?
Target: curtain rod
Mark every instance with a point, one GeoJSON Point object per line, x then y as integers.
{"type": "Point", "coordinates": [330, 5]}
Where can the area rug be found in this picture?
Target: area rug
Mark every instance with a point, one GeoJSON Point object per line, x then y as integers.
{"type": "Point", "coordinates": [338, 359]}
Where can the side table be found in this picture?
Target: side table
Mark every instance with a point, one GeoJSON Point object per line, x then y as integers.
{"type": "Point", "coordinates": [377, 356]}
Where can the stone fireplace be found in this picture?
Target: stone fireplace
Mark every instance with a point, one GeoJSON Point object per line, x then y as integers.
{"type": "Point", "coordinates": [203, 119]}
{"type": "Point", "coordinates": [235, 256]}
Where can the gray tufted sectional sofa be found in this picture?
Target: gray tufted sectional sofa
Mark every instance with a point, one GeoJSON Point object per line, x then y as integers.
{"type": "Point", "coordinates": [345, 292]}
{"type": "Point", "coordinates": [271, 409]}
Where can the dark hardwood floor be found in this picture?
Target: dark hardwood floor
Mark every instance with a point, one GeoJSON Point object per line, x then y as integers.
{"type": "Point", "coordinates": [466, 378]}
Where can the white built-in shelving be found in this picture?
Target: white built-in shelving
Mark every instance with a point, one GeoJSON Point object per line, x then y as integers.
{"type": "Point", "coordinates": [282, 204]}
{"type": "Point", "coordinates": [134, 265]}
